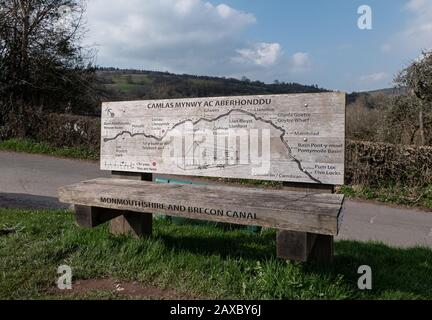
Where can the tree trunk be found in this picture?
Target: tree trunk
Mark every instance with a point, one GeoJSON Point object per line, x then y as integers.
{"type": "Point", "coordinates": [421, 123]}
{"type": "Point", "coordinates": [25, 24]}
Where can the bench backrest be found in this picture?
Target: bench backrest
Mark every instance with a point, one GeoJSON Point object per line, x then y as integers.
{"type": "Point", "coordinates": [294, 138]}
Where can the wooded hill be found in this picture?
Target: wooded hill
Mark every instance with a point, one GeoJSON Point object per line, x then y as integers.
{"type": "Point", "coordinates": [118, 84]}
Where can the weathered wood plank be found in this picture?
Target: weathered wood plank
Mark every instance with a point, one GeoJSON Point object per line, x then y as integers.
{"type": "Point", "coordinates": [297, 137]}
{"type": "Point", "coordinates": [132, 223]}
{"type": "Point", "coordinates": [241, 197]}
{"type": "Point", "coordinates": [294, 197]}
{"type": "Point", "coordinates": [302, 246]}
{"type": "Point", "coordinates": [268, 208]}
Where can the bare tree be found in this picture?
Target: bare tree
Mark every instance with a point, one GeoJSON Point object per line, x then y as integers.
{"type": "Point", "coordinates": [41, 58]}
{"type": "Point", "coordinates": [418, 79]}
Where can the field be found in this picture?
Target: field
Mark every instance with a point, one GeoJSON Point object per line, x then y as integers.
{"type": "Point", "coordinates": [126, 83]}
{"type": "Point", "coordinates": [191, 261]}
{"type": "Point", "coordinates": [136, 85]}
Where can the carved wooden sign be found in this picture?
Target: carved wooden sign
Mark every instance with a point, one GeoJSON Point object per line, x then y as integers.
{"type": "Point", "coordinates": [297, 137]}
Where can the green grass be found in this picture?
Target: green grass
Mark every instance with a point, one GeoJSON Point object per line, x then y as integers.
{"type": "Point", "coordinates": [137, 79]}
{"type": "Point", "coordinates": [127, 83]}
{"type": "Point", "coordinates": [200, 261]}
{"type": "Point", "coordinates": [29, 146]}
{"type": "Point", "coordinates": [399, 195]}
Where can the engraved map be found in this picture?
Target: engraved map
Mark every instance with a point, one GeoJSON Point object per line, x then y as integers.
{"type": "Point", "coordinates": [296, 137]}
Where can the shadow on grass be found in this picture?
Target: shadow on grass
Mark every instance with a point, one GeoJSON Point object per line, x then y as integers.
{"type": "Point", "coordinates": [394, 271]}
{"type": "Point", "coordinates": [207, 260]}
{"type": "Point", "coordinates": [234, 244]}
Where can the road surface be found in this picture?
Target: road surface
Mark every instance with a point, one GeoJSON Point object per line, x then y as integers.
{"type": "Point", "coordinates": [31, 181]}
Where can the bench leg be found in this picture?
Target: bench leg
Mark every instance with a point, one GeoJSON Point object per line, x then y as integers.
{"type": "Point", "coordinates": [293, 245]}
{"type": "Point", "coordinates": [135, 224]}
{"type": "Point", "coordinates": [302, 246]}
{"type": "Point", "coordinates": [322, 251]}
{"type": "Point", "coordinates": [91, 217]}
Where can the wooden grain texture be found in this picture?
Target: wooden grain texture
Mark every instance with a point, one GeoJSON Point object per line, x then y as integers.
{"type": "Point", "coordinates": [284, 210]}
{"type": "Point", "coordinates": [132, 223]}
{"type": "Point", "coordinates": [298, 137]}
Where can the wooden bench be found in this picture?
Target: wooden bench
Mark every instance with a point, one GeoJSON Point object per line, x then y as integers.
{"type": "Point", "coordinates": [300, 141]}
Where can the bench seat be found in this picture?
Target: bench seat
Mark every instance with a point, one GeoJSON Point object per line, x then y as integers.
{"type": "Point", "coordinates": [314, 213]}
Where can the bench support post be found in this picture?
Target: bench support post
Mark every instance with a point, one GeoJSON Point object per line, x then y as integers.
{"type": "Point", "coordinates": [322, 252]}
{"type": "Point", "coordinates": [131, 223]}
{"type": "Point", "coordinates": [90, 217]}
{"type": "Point", "coordinates": [135, 224]}
{"type": "Point", "coordinates": [302, 246]}
{"type": "Point", "coordinates": [293, 245]}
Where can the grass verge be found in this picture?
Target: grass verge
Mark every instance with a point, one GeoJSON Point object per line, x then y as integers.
{"type": "Point", "coordinates": [30, 146]}
{"type": "Point", "coordinates": [399, 195]}
{"type": "Point", "coordinates": [200, 261]}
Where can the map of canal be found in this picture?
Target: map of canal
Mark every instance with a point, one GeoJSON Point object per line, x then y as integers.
{"type": "Point", "coordinates": [298, 138]}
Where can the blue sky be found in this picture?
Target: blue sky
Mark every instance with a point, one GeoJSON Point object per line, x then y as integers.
{"type": "Point", "coordinates": [308, 41]}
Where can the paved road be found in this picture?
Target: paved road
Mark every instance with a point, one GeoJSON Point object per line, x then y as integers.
{"type": "Point", "coordinates": [31, 181]}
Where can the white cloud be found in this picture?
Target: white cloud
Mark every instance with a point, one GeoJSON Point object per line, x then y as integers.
{"type": "Point", "coordinates": [374, 77]}
{"type": "Point", "coordinates": [300, 61]}
{"type": "Point", "coordinates": [186, 36]}
{"type": "Point", "coordinates": [417, 34]}
{"type": "Point", "coordinates": [416, 4]}
{"type": "Point", "coordinates": [175, 35]}
{"type": "Point", "coordinates": [262, 54]}
{"type": "Point", "coordinates": [225, 11]}
{"type": "Point", "coordinates": [422, 23]}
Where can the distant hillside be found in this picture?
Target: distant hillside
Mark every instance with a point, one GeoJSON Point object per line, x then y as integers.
{"type": "Point", "coordinates": [135, 85]}
{"type": "Point", "coordinates": [385, 92]}
{"type": "Point", "coordinates": [389, 91]}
